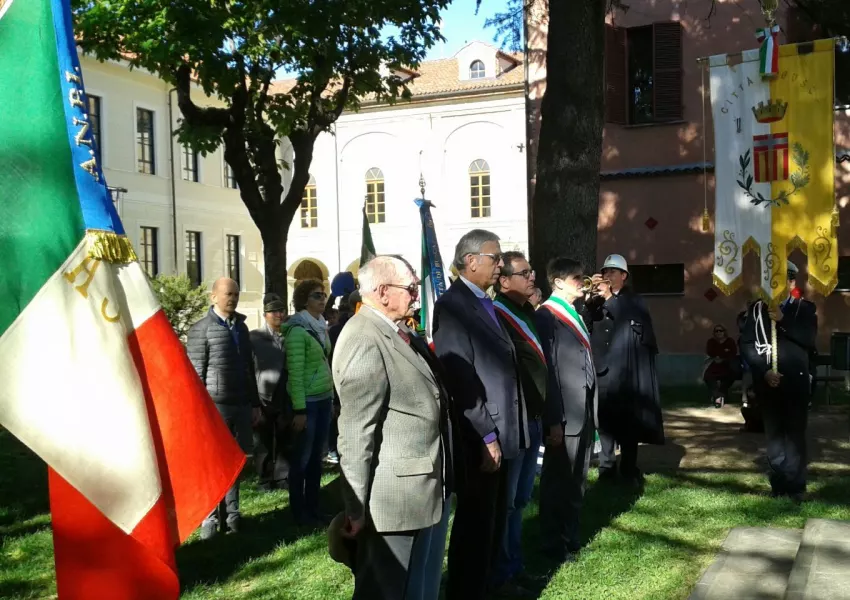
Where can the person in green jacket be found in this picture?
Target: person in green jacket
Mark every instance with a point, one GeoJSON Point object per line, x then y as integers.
{"type": "Point", "coordinates": [310, 387]}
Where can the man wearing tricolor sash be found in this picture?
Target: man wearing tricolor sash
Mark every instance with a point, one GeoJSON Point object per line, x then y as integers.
{"type": "Point", "coordinates": [570, 415]}
{"type": "Point", "coordinates": [515, 287]}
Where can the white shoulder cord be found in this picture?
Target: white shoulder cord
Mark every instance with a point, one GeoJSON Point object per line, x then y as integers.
{"type": "Point", "coordinates": [765, 346]}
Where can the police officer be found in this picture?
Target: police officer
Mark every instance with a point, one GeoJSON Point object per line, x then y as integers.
{"type": "Point", "coordinates": [783, 394]}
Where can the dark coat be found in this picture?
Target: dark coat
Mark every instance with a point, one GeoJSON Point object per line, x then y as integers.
{"type": "Point", "coordinates": [224, 360]}
{"type": "Point", "coordinates": [796, 333]}
{"type": "Point", "coordinates": [567, 398]}
{"type": "Point", "coordinates": [481, 364]}
{"type": "Point", "coordinates": [270, 367]}
{"type": "Point", "coordinates": [624, 352]}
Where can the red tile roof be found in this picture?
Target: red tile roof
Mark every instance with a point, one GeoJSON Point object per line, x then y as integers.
{"type": "Point", "coordinates": [440, 77]}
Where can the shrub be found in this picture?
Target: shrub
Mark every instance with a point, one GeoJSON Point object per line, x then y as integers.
{"type": "Point", "coordinates": [182, 303]}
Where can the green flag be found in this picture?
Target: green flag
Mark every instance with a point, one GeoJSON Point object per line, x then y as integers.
{"type": "Point", "coordinates": [367, 246]}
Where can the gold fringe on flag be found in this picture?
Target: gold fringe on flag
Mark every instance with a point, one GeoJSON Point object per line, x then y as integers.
{"type": "Point", "coordinates": [110, 247]}
{"type": "Point", "coordinates": [706, 220]}
{"type": "Point", "coordinates": [834, 221]}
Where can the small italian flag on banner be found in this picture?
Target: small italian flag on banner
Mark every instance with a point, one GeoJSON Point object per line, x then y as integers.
{"type": "Point", "coordinates": [433, 275]}
{"type": "Point", "coordinates": [95, 381]}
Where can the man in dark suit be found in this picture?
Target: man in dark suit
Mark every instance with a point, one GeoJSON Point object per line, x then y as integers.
{"type": "Point", "coordinates": [481, 364]}
{"type": "Point", "coordinates": [784, 394]}
{"type": "Point", "coordinates": [570, 409]}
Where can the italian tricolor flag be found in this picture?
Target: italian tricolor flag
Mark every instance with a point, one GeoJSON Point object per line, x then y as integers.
{"type": "Point", "coordinates": [94, 380]}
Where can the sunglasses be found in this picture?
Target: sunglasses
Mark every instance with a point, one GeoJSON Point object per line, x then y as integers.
{"type": "Point", "coordinates": [412, 289]}
{"type": "Point", "coordinates": [318, 296]}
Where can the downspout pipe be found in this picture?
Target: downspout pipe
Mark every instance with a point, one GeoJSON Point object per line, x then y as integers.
{"type": "Point", "coordinates": [529, 167]}
{"type": "Point", "coordinates": [173, 177]}
{"type": "Point", "coordinates": [336, 175]}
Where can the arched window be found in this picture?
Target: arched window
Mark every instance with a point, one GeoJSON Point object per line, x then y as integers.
{"type": "Point", "coordinates": [479, 188]}
{"type": "Point", "coordinates": [476, 70]}
{"type": "Point", "coordinates": [309, 206]}
{"type": "Point", "coordinates": [375, 195]}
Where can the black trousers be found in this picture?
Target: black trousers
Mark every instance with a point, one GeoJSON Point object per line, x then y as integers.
{"type": "Point", "coordinates": [270, 452]}
{"type": "Point", "coordinates": [562, 485]}
{"type": "Point", "coordinates": [479, 526]}
{"type": "Point", "coordinates": [786, 417]}
{"type": "Point", "coordinates": [382, 565]}
{"type": "Point", "coordinates": [608, 458]}
{"type": "Point", "coordinates": [608, 440]}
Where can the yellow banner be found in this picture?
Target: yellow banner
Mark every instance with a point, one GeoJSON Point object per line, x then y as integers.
{"type": "Point", "coordinates": [798, 159]}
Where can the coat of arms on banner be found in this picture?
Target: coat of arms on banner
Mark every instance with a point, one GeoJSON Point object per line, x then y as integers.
{"type": "Point", "coordinates": [769, 159]}
{"type": "Point", "coordinates": [774, 166]}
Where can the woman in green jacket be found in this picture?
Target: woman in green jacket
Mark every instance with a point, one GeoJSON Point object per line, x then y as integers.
{"type": "Point", "coordinates": [310, 388]}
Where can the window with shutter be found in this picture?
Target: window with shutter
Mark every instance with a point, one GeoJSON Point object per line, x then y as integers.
{"type": "Point", "coordinates": [643, 74]}
{"type": "Point", "coordinates": [615, 74]}
{"type": "Point", "coordinates": [667, 72]}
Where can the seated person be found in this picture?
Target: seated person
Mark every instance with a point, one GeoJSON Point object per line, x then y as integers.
{"type": "Point", "coordinates": [723, 365]}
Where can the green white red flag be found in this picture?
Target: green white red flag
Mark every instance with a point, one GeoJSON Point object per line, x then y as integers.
{"type": "Point", "coordinates": [95, 381]}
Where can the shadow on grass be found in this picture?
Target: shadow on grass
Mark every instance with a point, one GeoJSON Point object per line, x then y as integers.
{"type": "Point", "coordinates": [23, 487]}
{"type": "Point", "coordinates": [206, 562]}
{"type": "Point", "coordinates": [603, 502]}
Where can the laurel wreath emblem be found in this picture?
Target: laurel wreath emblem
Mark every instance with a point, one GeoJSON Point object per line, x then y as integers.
{"type": "Point", "coordinates": [799, 179]}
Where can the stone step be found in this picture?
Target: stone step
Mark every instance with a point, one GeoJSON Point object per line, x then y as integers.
{"type": "Point", "coordinates": [754, 564]}
{"type": "Point", "coordinates": [822, 568]}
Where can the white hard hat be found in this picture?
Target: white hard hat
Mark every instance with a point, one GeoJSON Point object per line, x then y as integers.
{"type": "Point", "coordinates": [792, 270]}
{"type": "Point", "coordinates": [615, 261]}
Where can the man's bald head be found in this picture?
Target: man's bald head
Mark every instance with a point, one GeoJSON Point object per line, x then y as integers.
{"type": "Point", "coordinates": [225, 296]}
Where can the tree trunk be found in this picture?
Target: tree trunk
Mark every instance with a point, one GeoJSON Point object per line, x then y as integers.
{"type": "Point", "coordinates": [566, 199]}
{"type": "Point", "coordinates": [274, 237]}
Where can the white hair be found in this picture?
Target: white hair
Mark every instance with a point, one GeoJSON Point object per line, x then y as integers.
{"type": "Point", "coordinates": [379, 271]}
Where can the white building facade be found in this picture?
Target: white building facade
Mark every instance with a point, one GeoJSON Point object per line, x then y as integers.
{"type": "Point", "coordinates": [463, 133]}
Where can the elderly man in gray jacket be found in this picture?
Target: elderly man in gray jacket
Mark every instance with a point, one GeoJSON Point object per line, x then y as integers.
{"type": "Point", "coordinates": [393, 440]}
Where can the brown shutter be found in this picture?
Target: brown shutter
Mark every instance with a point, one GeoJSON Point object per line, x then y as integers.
{"type": "Point", "coordinates": [667, 71]}
{"type": "Point", "coordinates": [615, 75]}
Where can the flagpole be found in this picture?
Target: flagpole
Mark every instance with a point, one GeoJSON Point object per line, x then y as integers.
{"type": "Point", "coordinates": [839, 39]}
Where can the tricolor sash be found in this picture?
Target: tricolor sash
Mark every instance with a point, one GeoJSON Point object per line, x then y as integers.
{"type": "Point", "coordinates": [522, 325]}
{"type": "Point", "coordinates": [569, 317]}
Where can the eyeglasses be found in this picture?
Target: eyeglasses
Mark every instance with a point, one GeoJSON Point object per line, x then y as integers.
{"type": "Point", "coordinates": [412, 289]}
{"type": "Point", "coordinates": [318, 296]}
{"type": "Point", "coordinates": [496, 257]}
{"type": "Point", "coordinates": [525, 274]}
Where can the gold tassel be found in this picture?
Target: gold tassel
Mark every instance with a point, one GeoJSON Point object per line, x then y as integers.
{"type": "Point", "coordinates": [110, 247]}
{"type": "Point", "coordinates": [706, 220]}
{"type": "Point", "coordinates": [834, 221]}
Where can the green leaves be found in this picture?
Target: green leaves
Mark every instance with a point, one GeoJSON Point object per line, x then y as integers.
{"type": "Point", "coordinates": [182, 303]}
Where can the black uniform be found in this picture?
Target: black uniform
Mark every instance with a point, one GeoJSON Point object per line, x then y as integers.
{"type": "Point", "coordinates": [624, 350]}
{"type": "Point", "coordinates": [784, 408]}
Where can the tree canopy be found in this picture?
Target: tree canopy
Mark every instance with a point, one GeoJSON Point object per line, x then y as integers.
{"type": "Point", "coordinates": [338, 52]}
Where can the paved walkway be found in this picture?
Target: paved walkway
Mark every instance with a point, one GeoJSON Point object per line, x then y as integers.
{"type": "Point", "coordinates": [710, 439]}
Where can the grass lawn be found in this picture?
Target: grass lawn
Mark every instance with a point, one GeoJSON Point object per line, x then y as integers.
{"type": "Point", "coordinates": [652, 545]}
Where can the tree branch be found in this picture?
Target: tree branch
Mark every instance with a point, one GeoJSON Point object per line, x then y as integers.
{"type": "Point", "coordinates": [195, 115]}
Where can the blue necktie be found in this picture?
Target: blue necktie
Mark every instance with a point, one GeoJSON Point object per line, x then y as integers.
{"type": "Point", "coordinates": [488, 306]}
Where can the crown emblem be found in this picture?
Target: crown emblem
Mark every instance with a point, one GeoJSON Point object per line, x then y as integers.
{"type": "Point", "coordinates": [770, 112]}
